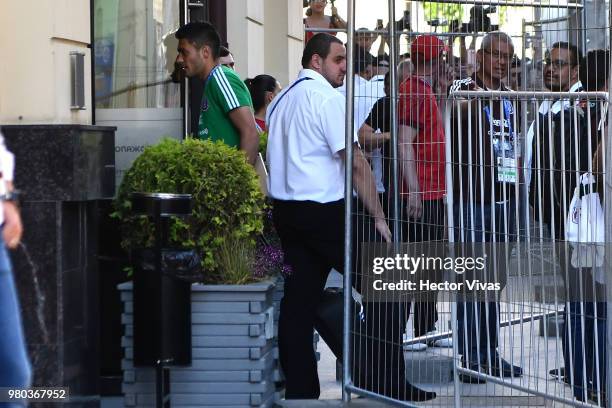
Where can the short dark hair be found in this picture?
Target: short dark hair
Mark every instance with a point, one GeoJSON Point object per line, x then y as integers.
{"type": "Point", "coordinates": [500, 36]}
{"type": "Point", "coordinates": [319, 44]}
{"type": "Point", "coordinates": [361, 62]}
{"type": "Point", "coordinates": [224, 51]}
{"type": "Point", "coordinates": [576, 55]}
{"type": "Point", "coordinates": [258, 87]}
{"type": "Point", "coordinates": [201, 33]}
{"type": "Point", "coordinates": [595, 69]}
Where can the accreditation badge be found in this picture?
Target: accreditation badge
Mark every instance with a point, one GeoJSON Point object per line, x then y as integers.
{"type": "Point", "coordinates": [504, 149]}
{"type": "Point", "coordinates": [506, 169]}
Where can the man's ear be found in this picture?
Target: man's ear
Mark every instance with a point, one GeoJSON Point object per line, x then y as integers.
{"type": "Point", "coordinates": [316, 62]}
{"type": "Point", "coordinates": [205, 52]}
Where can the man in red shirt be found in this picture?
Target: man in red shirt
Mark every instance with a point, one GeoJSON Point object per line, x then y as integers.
{"type": "Point", "coordinates": [421, 154]}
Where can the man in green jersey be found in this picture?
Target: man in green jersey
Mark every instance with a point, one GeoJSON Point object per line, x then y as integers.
{"type": "Point", "coordinates": [226, 109]}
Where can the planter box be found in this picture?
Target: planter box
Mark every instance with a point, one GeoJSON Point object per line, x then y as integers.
{"type": "Point", "coordinates": [233, 349]}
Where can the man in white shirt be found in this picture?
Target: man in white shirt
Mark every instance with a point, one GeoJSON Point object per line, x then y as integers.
{"type": "Point", "coordinates": [306, 154]}
{"type": "Point", "coordinates": [367, 91]}
{"type": "Point", "coordinates": [560, 75]}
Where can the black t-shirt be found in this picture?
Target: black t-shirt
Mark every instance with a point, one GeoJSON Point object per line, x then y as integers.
{"type": "Point", "coordinates": [380, 115]}
{"type": "Point", "coordinates": [483, 145]}
{"type": "Point", "coordinates": [380, 119]}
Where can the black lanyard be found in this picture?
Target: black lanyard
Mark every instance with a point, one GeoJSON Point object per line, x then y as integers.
{"type": "Point", "coordinates": [281, 97]}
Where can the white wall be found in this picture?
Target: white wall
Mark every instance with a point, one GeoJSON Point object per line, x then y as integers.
{"type": "Point", "coordinates": [266, 37]}
{"type": "Point", "coordinates": [245, 35]}
{"type": "Point", "coordinates": [35, 43]}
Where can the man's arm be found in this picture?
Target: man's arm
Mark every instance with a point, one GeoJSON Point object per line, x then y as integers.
{"type": "Point", "coordinates": [371, 140]}
{"type": "Point", "coordinates": [363, 183]}
{"type": "Point", "coordinates": [244, 121]}
{"type": "Point", "coordinates": [406, 136]}
{"type": "Point", "coordinates": [13, 229]}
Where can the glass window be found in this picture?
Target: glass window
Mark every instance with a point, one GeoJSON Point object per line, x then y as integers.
{"type": "Point", "coordinates": [135, 50]}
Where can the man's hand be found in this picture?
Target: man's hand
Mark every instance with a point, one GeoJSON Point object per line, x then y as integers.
{"type": "Point", "coordinates": [13, 229]}
{"type": "Point", "coordinates": [383, 229]}
{"type": "Point", "coordinates": [364, 185]}
{"type": "Point", "coordinates": [414, 205]}
{"type": "Point", "coordinates": [369, 139]}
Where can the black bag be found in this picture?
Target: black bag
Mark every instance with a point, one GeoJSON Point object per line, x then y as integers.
{"type": "Point", "coordinates": [378, 364]}
{"type": "Point", "coordinates": [329, 319]}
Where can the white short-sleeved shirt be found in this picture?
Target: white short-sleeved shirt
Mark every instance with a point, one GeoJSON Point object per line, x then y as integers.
{"type": "Point", "coordinates": [306, 130]}
{"type": "Point", "coordinates": [7, 165]}
{"type": "Point", "coordinates": [366, 95]}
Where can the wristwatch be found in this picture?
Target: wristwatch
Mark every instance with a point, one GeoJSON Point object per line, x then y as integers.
{"type": "Point", "coordinates": [12, 195]}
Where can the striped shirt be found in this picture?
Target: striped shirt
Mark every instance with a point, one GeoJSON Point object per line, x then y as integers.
{"type": "Point", "coordinates": [223, 92]}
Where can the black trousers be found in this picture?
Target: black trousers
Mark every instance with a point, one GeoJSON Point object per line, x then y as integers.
{"type": "Point", "coordinates": [312, 238]}
{"type": "Point", "coordinates": [430, 227]}
{"type": "Point", "coordinates": [584, 357]}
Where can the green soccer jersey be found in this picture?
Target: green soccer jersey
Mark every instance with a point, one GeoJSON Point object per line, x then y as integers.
{"type": "Point", "coordinates": [223, 92]}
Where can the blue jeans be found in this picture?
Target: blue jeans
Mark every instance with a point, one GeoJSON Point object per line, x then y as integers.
{"type": "Point", "coordinates": [477, 320]}
{"type": "Point", "coordinates": [14, 365]}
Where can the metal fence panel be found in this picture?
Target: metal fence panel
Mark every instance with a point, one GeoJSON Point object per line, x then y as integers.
{"type": "Point", "coordinates": [540, 339]}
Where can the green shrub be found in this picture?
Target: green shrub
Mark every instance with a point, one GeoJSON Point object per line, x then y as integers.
{"type": "Point", "coordinates": [227, 202]}
{"type": "Point", "coordinates": [263, 143]}
{"type": "Point", "coordinates": [237, 261]}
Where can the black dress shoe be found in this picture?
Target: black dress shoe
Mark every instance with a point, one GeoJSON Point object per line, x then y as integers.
{"type": "Point", "coordinates": [505, 370]}
{"type": "Point", "coordinates": [559, 373]}
{"type": "Point", "coordinates": [413, 393]}
{"type": "Point", "coordinates": [471, 378]}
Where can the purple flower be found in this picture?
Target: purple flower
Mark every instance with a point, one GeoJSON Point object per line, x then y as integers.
{"type": "Point", "coordinates": [269, 260]}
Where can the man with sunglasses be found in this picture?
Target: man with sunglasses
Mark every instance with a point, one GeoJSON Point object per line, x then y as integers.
{"type": "Point", "coordinates": [561, 65]}
{"type": "Point", "coordinates": [485, 176]}
{"type": "Point", "coordinates": [561, 74]}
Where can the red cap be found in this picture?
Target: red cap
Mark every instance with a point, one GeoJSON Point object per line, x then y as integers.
{"type": "Point", "coordinates": [427, 46]}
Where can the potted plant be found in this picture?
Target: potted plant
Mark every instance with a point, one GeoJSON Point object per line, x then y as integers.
{"type": "Point", "coordinates": [233, 346]}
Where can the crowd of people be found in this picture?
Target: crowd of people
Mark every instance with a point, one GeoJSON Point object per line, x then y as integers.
{"type": "Point", "coordinates": [306, 156]}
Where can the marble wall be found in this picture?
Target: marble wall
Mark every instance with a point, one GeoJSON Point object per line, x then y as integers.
{"type": "Point", "coordinates": [62, 170]}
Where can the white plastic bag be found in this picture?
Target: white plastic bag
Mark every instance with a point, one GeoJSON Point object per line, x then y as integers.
{"type": "Point", "coordinates": [584, 226]}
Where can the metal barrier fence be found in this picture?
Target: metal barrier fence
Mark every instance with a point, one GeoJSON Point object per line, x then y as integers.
{"type": "Point", "coordinates": [541, 338]}
{"type": "Point", "coordinates": [542, 281]}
